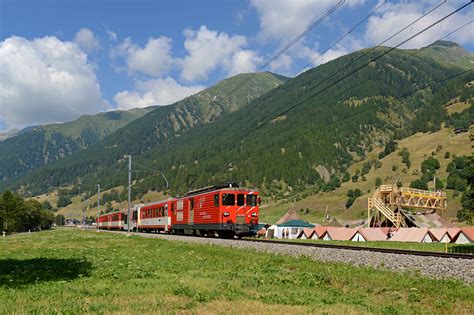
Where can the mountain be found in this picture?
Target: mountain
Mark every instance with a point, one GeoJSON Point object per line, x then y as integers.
{"type": "Point", "coordinates": [263, 144]}
{"type": "Point", "coordinates": [35, 146]}
{"type": "Point", "coordinates": [450, 54]}
{"type": "Point", "coordinates": [41, 145]}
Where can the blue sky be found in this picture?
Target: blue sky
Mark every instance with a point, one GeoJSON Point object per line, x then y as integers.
{"type": "Point", "coordinates": [62, 59]}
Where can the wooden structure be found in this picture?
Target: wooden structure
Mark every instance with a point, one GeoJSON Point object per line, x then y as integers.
{"type": "Point", "coordinates": [386, 206]}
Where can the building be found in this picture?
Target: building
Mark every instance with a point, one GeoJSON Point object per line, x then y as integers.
{"type": "Point", "coordinates": [465, 236]}
{"type": "Point", "coordinates": [415, 235]}
{"type": "Point", "coordinates": [369, 234]}
{"type": "Point", "coordinates": [288, 230]}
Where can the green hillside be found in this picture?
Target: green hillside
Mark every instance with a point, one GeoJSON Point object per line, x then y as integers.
{"type": "Point", "coordinates": [36, 146]}
{"type": "Point", "coordinates": [303, 151]}
{"type": "Point", "coordinates": [449, 53]}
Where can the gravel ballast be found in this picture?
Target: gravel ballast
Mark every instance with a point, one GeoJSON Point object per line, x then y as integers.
{"type": "Point", "coordinates": [433, 267]}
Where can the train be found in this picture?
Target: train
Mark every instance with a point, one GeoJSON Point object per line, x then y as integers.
{"type": "Point", "coordinates": [224, 210]}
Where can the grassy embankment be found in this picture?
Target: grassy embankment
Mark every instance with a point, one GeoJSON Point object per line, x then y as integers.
{"type": "Point", "coordinates": [71, 271]}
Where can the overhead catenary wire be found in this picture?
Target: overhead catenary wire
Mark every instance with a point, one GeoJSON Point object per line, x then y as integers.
{"type": "Point", "coordinates": [368, 62]}
{"type": "Point", "coordinates": [280, 52]}
{"type": "Point", "coordinates": [323, 126]}
{"type": "Point", "coordinates": [313, 61]}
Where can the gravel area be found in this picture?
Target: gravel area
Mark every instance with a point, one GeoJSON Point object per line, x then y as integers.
{"type": "Point", "coordinates": [428, 266]}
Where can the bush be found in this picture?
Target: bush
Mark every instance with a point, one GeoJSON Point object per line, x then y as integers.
{"type": "Point", "coordinates": [447, 155]}
{"type": "Point", "coordinates": [378, 182]}
{"type": "Point", "coordinates": [64, 200]}
{"type": "Point", "coordinates": [419, 184]}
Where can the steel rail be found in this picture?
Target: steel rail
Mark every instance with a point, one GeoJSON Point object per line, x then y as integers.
{"type": "Point", "coordinates": [322, 245]}
{"type": "Point", "coordinates": [370, 249]}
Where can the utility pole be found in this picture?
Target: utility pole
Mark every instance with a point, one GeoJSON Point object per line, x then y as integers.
{"type": "Point", "coordinates": [434, 180]}
{"type": "Point", "coordinates": [129, 189]}
{"type": "Point", "coordinates": [84, 212]}
{"type": "Point", "coordinates": [98, 207]}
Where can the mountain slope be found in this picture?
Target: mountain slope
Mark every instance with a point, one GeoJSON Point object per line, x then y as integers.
{"type": "Point", "coordinates": [281, 154]}
{"type": "Point", "coordinates": [140, 134]}
{"type": "Point", "coordinates": [35, 146]}
{"type": "Point", "coordinates": [450, 54]}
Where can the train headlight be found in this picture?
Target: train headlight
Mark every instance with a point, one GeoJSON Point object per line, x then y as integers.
{"type": "Point", "coordinates": [254, 214]}
{"type": "Point", "coordinates": [226, 214]}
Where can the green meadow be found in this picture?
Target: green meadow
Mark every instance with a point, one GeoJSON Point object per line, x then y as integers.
{"type": "Point", "coordinates": [73, 271]}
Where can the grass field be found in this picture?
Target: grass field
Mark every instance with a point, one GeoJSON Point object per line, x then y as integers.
{"type": "Point", "coordinates": [72, 271]}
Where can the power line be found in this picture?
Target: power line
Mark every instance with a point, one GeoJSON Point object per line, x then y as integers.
{"type": "Point", "coordinates": [369, 61]}
{"type": "Point", "coordinates": [278, 54]}
{"type": "Point", "coordinates": [343, 36]}
{"type": "Point", "coordinates": [310, 28]}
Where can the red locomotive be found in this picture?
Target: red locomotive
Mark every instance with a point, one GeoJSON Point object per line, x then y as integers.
{"type": "Point", "coordinates": [225, 210]}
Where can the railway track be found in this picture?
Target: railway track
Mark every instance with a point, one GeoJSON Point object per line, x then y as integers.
{"type": "Point", "coordinates": [369, 249]}
{"type": "Point", "coordinates": [337, 246]}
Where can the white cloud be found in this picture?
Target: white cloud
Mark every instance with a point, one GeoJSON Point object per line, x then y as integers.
{"type": "Point", "coordinates": [153, 60]}
{"type": "Point", "coordinates": [284, 19]}
{"type": "Point", "coordinates": [86, 39]}
{"type": "Point", "coordinates": [396, 16]}
{"type": "Point", "coordinates": [112, 35]}
{"type": "Point", "coordinates": [207, 50]}
{"type": "Point", "coordinates": [243, 61]}
{"type": "Point", "coordinates": [45, 80]}
{"type": "Point", "coordinates": [154, 92]}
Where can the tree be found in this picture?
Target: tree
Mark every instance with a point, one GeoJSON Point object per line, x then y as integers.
{"type": "Point", "coordinates": [64, 200]}
{"type": "Point", "coordinates": [60, 220]}
{"type": "Point", "coordinates": [47, 205]}
{"type": "Point", "coordinates": [378, 182]}
{"type": "Point", "coordinates": [346, 177]}
{"type": "Point", "coordinates": [419, 184]}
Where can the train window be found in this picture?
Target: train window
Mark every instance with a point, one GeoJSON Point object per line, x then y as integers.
{"type": "Point", "coordinates": [240, 200]}
{"type": "Point", "coordinates": [228, 199]}
{"type": "Point", "coordinates": [134, 217]}
{"type": "Point", "coordinates": [191, 204]}
{"type": "Point", "coordinates": [216, 200]}
{"type": "Point", "coordinates": [251, 200]}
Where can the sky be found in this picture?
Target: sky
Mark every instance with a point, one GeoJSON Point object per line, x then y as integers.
{"type": "Point", "coordinates": [60, 59]}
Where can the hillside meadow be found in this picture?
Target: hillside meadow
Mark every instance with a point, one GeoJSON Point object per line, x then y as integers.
{"type": "Point", "coordinates": [73, 271]}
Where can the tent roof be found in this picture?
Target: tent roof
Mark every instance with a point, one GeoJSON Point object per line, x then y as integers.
{"type": "Point", "coordinates": [341, 233]}
{"type": "Point", "coordinates": [410, 235]}
{"type": "Point", "coordinates": [296, 223]}
{"type": "Point", "coordinates": [439, 233]}
{"type": "Point", "coordinates": [372, 234]}
{"type": "Point", "coordinates": [290, 215]}
{"type": "Point", "coordinates": [469, 232]}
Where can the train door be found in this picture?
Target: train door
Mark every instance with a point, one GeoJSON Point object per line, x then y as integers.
{"type": "Point", "coordinates": [166, 217]}
{"type": "Point", "coordinates": [191, 212]}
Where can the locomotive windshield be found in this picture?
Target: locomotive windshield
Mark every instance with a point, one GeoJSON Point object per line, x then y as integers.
{"type": "Point", "coordinates": [228, 199]}
{"type": "Point", "coordinates": [251, 200]}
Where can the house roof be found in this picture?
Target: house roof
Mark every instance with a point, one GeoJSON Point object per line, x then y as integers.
{"type": "Point", "coordinates": [308, 232]}
{"type": "Point", "coordinates": [341, 233]}
{"type": "Point", "coordinates": [453, 232]}
{"type": "Point", "coordinates": [290, 215]}
{"type": "Point", "coordinates": [320, 230]}
{"type": "Point", "coordinates": [296, 223]}
{"type": "Point", "coordinates": [469, 232]}
{"type": "Point", "coordinates": [439, 233]}
{"type": "Point", "coordinates": [410, 235]}
{"type": "Point", "coordinates": [372, 234]}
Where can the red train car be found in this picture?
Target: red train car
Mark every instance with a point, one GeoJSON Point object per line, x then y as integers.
{"type": "Point", "coordinates": [112, 221]}
{"type": "Point", "coordinates": [226, 210]}
{"type": "Point", "coordinates": [154, 217]}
